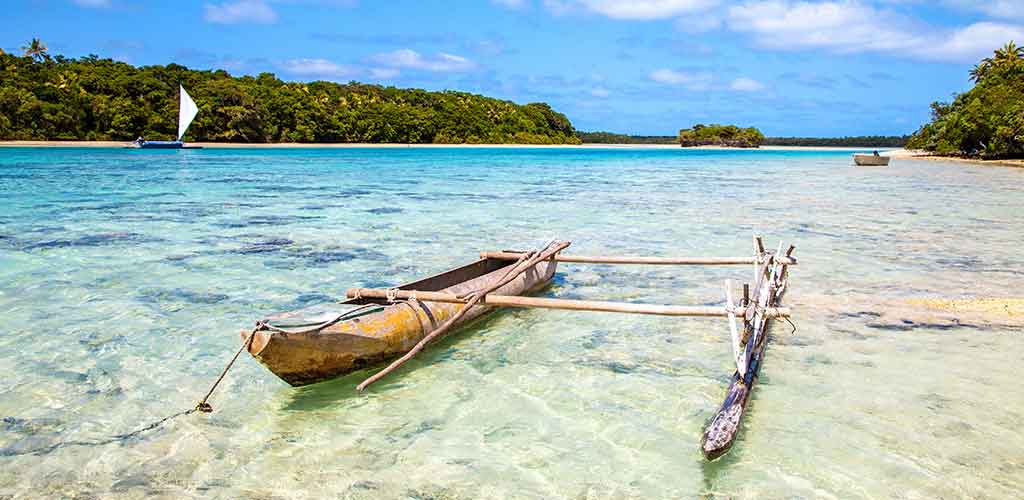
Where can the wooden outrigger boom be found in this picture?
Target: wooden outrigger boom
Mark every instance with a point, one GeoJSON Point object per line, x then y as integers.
{"type": "Point", "coordinates": [572, 305]}
{"type": "Point", "coordinates": [400, 323]}
{"type": "Point", "coordinates": [669, 261]}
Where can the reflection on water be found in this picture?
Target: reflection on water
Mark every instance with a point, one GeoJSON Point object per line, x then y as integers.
{"type": "Point", "coordinates": [125, 276]}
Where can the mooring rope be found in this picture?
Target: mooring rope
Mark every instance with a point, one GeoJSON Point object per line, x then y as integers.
{"type": "Point", "coordinates": [203, 406]}
{"type": "Point", "coordinates": [99, 442]}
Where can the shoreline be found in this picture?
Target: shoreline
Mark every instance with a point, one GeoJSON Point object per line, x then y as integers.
{"type": "Point", "coordinates": [364, 145]}
{"type": "Point", "coordinates": [896, 153]}
{"type": "Point", "coordinates": [914, 154]}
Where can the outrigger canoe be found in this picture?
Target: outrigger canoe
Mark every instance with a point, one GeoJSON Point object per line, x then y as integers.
{"type": "Point", "coordinates": [320, 343]}
{"type": "Point", "coordinates": [377, 325]}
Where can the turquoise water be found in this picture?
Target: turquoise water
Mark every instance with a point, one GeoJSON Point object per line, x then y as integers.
{"type": "Point", "coordinates": [126, 275]}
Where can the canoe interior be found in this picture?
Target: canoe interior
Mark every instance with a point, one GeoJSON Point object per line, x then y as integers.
{"type": "Point", "coordinates": [444, 280]}
{"type": "Point", "coordinates": [319, 313]}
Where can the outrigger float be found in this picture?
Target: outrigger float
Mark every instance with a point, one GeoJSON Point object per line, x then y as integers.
{"type": "Point", "coordinates": [378, 325]}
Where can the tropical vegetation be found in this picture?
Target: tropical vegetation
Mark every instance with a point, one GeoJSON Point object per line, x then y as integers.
{"type": "Point", "coordinates": [613, 138]}
{"type": "Point", "coordinates": [892, 141]}
{"type": "Point", "coordinates": [721, 135]}
{"type": "Point", "coordinates": [882, 141]}
{"type": "Point", "coordinates": [44, 97]}
{"type": "Point", "coordinates": [986, 121]}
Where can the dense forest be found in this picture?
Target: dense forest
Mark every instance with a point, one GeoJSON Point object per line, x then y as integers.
{"type": "Point", "coordinates": [892, 141]}
{"type": "Point", "coordinates": [57, 98]}
{"type": "Point", "coordinates": [885, 141]}
{"type": "Point", "coordinates": [721, 135]}
{"type": "Point", "coordinates": [986, 121]}
{"type": "Point", "coordinates": [613, 138]}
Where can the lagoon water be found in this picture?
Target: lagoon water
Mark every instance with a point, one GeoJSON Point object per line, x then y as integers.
{"type": "Point", "coordinates": [125, 277]}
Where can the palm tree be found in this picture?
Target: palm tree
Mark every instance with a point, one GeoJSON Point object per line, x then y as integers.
{"type": "Point", "coordinates": [978, 72]}
{"type": "Point", "coordinates": [36, 49]}
{"type": "Point", "coordinates": [1004, 56]}
{"type": "Point", "coordinates": [1009, 53]}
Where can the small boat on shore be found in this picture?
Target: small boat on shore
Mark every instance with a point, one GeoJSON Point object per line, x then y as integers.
{"type": "Point", "coordinates": [312, 345]}
{"type": "Point", "coordinates": [187, 111]}
{"type": "Point", "coordinates": [870, 160]}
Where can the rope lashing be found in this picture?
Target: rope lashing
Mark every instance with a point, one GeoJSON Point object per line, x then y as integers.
{"type": "Point", "coordinates": [524, 263]}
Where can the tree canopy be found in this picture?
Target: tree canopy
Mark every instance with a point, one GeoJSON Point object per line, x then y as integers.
{"type": "Point", "coordinates": [895, 141]}
{"type": "Point", "coordinates": [988, 119]}
{"type": "Point", "coordinates": [613, 138]}
{"type": "Point", "coordinates": [57, 98]}
{"type": "Point", "coordinates": [721, 135]}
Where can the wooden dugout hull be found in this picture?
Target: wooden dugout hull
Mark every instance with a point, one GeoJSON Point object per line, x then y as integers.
{"type": "Point", "coordinates": [384, 333]}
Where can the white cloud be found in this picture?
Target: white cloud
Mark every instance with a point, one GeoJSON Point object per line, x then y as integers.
{"type": "Point", "coordinates": [512, 4]}
{"type": "Point", "coordinates": [850, 26]}
{"type": "Point", "coordinates": [600, 92]}
{"type": "Point", "coordinates": [318, 68]}
{"type": "Point", "coordinates": [384, 73]}
{"type": "Point", "coordinates": [631, 9]}
{"type": "Point", "coordinates": [699, 23]}
{"type": "Point", "coordinates": [847, 26]}
{"type": "Point", "coordinates": [93, 4]}
{"type": "Point", "coordinates": [972, 43]}
{"type": "Point", "coordinates": [744, 84]}
{"type": "Point", "coordinates": [241, 11]}
{"type": "Point", "coordinates": [410, 59]}
{"type": "Point", "coordinates": [692, 81]}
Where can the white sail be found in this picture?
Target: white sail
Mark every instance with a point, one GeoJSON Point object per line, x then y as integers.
{"type": "Point", "coordinates": [186, 112]}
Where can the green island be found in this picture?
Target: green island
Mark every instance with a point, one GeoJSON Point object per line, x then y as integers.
{"type": "Point", "coordinates": [895, 141]}
{"type": "Point", "coordinates": [95, 99]}
{"type": "Point", "coordinates": [985, 122]}
{"type": "Point", "coordinates": [721, 135]}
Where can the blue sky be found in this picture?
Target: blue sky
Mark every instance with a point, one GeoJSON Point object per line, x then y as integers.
{"type": "Point", "coordinates": [809, 68]}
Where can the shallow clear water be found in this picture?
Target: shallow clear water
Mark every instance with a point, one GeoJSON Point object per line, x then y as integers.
{"type": "Point", "coordinates": [126, 275]}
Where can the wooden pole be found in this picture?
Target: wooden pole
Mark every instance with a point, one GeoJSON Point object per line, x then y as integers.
{"type": "Point", "coordinates": [733, 330]}
{"type": "Point", "coordinates": [671, 261]}
{"type": "Point", "coordinates": [574, 305]}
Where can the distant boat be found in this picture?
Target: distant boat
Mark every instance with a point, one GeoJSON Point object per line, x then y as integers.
{"type": "Point", "coordinates": [871, 160]}
{"type": "Point", "coordinates": [187, 111]}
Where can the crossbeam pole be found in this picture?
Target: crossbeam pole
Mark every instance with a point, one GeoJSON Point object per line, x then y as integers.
{"type": "Point", "coordinates": [672, 261]}
{"type": "Point", "coordinates": [574, 305]}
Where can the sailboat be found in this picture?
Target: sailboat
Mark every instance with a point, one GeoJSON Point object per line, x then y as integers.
{"type": "Point", "coordinates": [187, 111]}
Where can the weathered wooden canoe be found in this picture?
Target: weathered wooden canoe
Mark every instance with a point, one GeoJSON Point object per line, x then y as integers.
{"type": "Point", "coordinates": [363, 332]}
{"type": "Point", "coordinates": [872, 160]}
